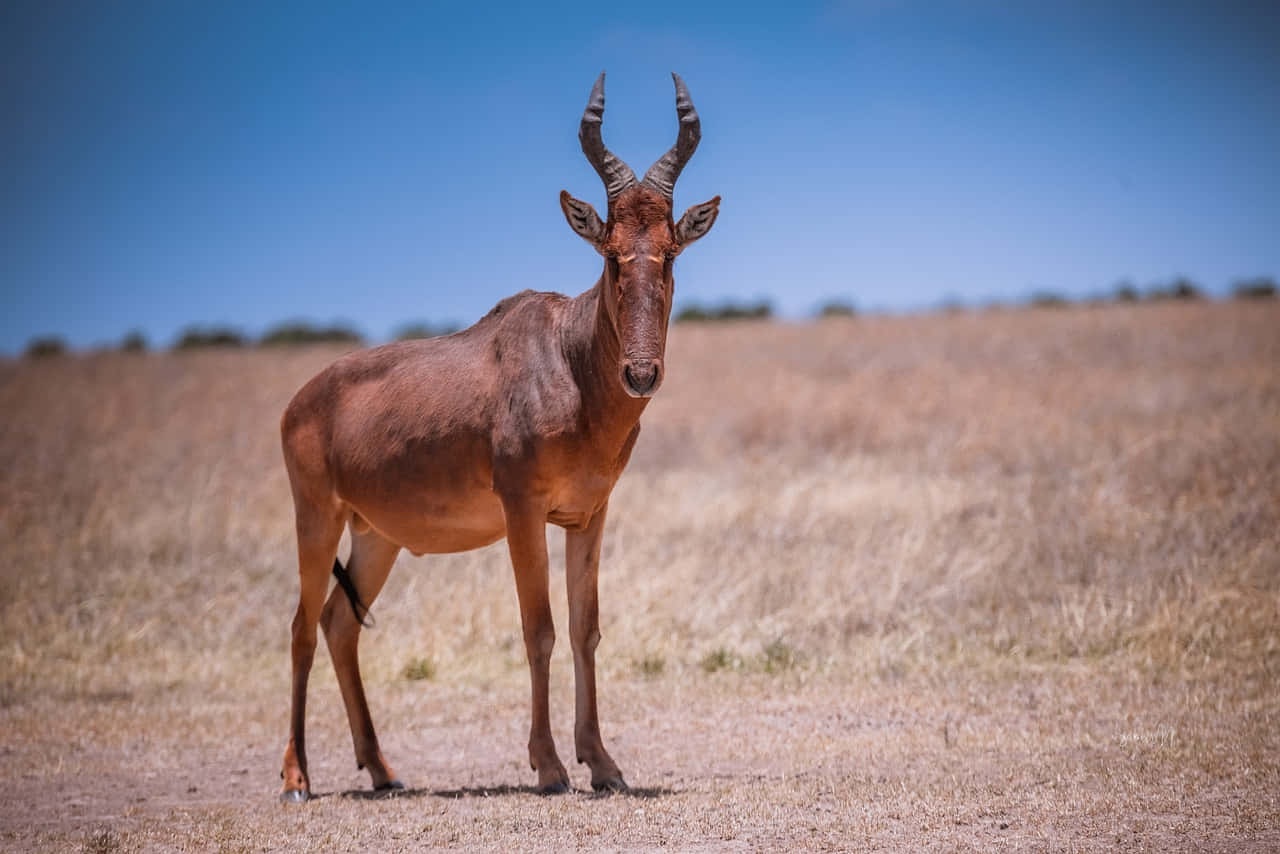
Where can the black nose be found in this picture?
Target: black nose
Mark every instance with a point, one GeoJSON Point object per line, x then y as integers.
{"type": "Point", "coordinates": [641, 375]}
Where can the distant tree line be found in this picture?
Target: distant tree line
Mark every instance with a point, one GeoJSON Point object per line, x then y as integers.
{"type": "Point", "coordinates": [836, 308]}
{"type": "Point", "coordinates": [290, 334]}
{"type": "Point", "coordinates": [425, 330]}
{"type": "Point", "coordinates": [1179, 288]}
{"type": "Point", "coordinates": [694, 313]}
{"type": "Point", "coordinates": [295, 333]}
{"type": "Point", "coordinates": [1259, 287]}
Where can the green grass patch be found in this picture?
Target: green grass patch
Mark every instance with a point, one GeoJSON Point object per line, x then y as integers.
{"type": "Point", "coordinates": [419, 668]}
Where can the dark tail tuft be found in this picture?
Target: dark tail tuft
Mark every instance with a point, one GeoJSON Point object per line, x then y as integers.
{"type": "Point", "coordinates": [360, 609]}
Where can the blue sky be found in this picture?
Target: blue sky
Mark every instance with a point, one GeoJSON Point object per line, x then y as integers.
{"type": "Point", "coordinates": [176, 163]}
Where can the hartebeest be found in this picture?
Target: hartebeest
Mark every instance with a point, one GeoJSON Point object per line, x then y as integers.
{"type": "Point", "coordinates": [449, 444]}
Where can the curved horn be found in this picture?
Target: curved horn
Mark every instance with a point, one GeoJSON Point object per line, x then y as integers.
{"type": "Point", "coordinates": [663, 174]}
{"type": "Point", "coordinates": [617, 176]}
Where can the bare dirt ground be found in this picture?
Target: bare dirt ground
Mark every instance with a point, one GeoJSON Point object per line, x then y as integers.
{"type": "Point", "coordinates": [950, 582]}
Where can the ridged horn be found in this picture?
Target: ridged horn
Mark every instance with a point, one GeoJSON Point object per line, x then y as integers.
{"type": "Point", "coordinates": [617, 176]}
{"type": "Point", "coordinates": [663, 174]}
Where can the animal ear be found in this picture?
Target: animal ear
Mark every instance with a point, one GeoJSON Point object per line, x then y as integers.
{"type": "Point", "coordinates": [697, 221]}
{"type": "Point", "coordinates": [582, 218]}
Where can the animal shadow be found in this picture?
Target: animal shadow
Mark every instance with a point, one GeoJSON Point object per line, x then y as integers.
{"type": "Point", "coordinates": [496, 791]}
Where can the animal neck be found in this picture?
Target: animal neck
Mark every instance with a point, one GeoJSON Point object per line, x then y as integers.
{"type": "Point", "coordinates": [594, 352]}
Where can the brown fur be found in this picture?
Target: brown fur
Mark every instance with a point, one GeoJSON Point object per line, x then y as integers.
{"type": "Point", "coordinates": [449, 444]}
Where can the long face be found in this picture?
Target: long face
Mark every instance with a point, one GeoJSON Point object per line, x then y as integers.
{"type": "Point", "coordinates": [639, 242]}
{"type": "Point", "coordinates": [639, 247]}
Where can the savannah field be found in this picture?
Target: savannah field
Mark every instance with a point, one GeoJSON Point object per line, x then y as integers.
{"type": "Point", "coordinates": [1002, 580]}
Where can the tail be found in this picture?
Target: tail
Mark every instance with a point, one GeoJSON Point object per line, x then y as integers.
{"type": "Point", "coordinates": [361, 610]}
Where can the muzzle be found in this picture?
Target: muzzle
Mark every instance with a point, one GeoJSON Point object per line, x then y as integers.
{"type": "Point", "coordinates": [641, 377]}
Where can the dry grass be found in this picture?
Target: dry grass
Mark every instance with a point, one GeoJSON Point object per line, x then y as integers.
{"type": "Point", "coordinates": [946, 582]}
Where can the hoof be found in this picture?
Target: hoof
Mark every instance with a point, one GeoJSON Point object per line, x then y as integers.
{"type": "Point", "coordinates": [295, 796]}
{"type": "Point", "coordinates": [559, 787]}
{"type": "Point", "coordinates": [613, 784]}
{"type": "Point", "coordinates": [390, 786]}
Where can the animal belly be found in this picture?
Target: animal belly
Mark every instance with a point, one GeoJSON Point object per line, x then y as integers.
{"type": "Point", "coordinates": [436, 524]}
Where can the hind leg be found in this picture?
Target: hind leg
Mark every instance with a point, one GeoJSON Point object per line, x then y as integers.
{"type": "Point", "coordinates": [319, 529]}
{"type": "Point", "coordinates": [371, 558]}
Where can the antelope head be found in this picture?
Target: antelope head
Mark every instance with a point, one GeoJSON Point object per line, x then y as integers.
{"type": "Point", "coordinates": [639, 240]}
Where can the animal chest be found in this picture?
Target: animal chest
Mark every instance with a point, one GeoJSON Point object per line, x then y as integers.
{"type": "Point", "coordinates": [585, 486]}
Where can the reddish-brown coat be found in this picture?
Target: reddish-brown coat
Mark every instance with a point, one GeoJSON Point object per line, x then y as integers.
{"type": "Point", "coordinates": [449, 444]}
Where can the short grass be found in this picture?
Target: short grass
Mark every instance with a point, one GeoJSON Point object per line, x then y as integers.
{"type": "Point", "coordinates": [950, 582]}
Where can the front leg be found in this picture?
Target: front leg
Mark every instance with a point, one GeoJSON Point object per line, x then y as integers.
{"type": "Point", "coordinates": [582, 563]}
{"type": "Point", "coordinates": [527, 539]}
